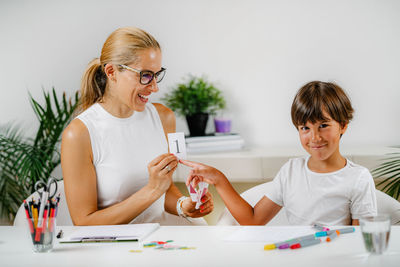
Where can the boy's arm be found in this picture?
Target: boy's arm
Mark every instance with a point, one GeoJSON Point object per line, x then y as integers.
{"type": "Point", "coordinates": [355, 222]}
{"type": "Point", "coordinates": [242, 211]}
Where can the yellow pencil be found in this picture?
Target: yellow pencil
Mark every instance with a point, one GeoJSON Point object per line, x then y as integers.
{"type": "Point", "coordinates": [35, 215]}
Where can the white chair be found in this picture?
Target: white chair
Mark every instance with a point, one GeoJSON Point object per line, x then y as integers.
{"type": "Point", "coordinates": [64, 218]}
{"type": "Point", "coordinates": [389, 205]}
{"type": "Point", "coordinates": [386, 204]}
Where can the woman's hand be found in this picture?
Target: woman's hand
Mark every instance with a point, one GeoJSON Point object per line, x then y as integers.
{"type": "Point", "coordinates": [188, 206]}
{"type": "Point", "coordinates": [202, 173]}
{"type": "Point", "coordinates": [160, 172]}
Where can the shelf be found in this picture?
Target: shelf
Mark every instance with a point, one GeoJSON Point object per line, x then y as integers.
{"type": "Point", "coordinates": [262, 164]}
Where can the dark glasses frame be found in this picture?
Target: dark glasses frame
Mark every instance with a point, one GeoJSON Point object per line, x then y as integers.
{"type": "Point", "coordinates": [159, 75]}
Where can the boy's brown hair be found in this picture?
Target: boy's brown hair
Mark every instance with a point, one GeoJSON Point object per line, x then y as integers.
{"type": "Point", "coordinates": [314, 98]}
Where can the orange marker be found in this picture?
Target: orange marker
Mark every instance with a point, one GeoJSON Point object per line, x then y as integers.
{"type": "Point", "coordinates": [332, 236]}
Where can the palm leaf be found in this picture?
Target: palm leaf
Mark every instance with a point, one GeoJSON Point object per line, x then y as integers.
{"type": "Point", "coordinates": [24, 161]}
{"type": "Point", "coordinates": [11, 195]}
{"type": "Point", "coordinates": [389, 172]}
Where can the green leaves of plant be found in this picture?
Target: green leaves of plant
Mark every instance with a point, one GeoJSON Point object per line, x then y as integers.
{"type": "Point", "coordinates": [195, 96]}
{"type": "Point", "coordinates": [390, 171]}
{"type": "Point", "coordinates": [23, 161]}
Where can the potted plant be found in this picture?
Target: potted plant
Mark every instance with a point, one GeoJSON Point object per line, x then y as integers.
{"type": "Point", "coordinates": [195, 99]}
{"type": "Point", "coordinates": [24, 160]}
{"type": "Point", "coordinates": [389, 173]}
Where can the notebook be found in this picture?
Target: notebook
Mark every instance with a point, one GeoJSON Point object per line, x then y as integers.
{"type": "Point", "coordinates": [110, 233]}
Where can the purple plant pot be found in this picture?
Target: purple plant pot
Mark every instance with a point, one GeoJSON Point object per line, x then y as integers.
{"type": "Point", "coordinates": [222, 125]}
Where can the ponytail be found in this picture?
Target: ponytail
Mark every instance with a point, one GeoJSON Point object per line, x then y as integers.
{"type": "Point", "coordinates": [93, 85]}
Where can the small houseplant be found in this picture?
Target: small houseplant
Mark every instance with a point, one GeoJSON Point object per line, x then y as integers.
{"type": "Point", "coordinates": [195, 100]}
{"type": "Point", "coordinates": [25, 160]}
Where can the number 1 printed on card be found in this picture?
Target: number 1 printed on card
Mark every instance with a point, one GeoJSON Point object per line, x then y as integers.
{"type": "Point", "coordinates": [177, 145]}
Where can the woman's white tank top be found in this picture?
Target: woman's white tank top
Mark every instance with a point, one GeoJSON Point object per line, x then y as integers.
{"type": "Point", "coordinates": [122, 149]}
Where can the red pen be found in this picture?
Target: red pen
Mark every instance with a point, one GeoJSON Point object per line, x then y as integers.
{"type": "Point", "coordinates": [45, 215]}
{"type": "Point", "coordinates": [28, 217]}
{"type": "Point", "coordinates": [41, 228]}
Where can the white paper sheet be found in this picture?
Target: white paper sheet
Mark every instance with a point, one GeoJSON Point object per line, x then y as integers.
{"type": "Point", "coordinates": [268, 234]}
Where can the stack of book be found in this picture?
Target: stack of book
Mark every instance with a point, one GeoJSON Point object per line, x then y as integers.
{"type": "Point", "coordinates": [214, 143]}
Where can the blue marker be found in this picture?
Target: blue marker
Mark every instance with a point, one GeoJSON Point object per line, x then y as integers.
{"type": "Point", "coordinates": [320, 234]}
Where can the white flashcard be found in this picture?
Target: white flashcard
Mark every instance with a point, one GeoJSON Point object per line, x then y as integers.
{"type": "Point", "coordinates": [203, 186]}
{"type": "Point", "coordinates": [177, 145]}
{"type": "Point", "coordinates": [197, 194]}
{"type": "Point", "coordinates": [192, 192]}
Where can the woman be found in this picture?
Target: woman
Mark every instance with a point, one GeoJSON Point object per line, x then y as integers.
{"type": "Point", "coordinates": [114, 155]}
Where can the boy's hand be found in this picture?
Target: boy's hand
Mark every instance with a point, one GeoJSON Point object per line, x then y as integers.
{"type": "Point", "coordinates": [189, 207]}
{"type": "Point", "coordinates": [202, 173]}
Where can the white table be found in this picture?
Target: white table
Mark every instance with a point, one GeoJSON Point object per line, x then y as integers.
{"type": "Point", "coordinates": [211, 250]}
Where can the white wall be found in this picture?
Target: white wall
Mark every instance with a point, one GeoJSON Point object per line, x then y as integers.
{"type": "Point", "coordinates": [258, 52]}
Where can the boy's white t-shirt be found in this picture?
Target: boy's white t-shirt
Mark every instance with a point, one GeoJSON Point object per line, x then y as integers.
{"type": "Point", "coordinates": [333, 198]}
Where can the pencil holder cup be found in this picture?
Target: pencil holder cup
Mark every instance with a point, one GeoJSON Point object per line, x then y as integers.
{"type": "Point", "coordinates": [42, 233]}
{"type": "Point", "coordinates": [376, 232]}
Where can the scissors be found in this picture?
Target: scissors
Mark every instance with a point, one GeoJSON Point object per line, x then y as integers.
{"type": "Point", "coordinates": [46, 188]}
{"type": "Point", "coordinates": [45, 196]}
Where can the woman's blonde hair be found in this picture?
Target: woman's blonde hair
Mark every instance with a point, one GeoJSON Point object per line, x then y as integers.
{"type": "Point", "coordinates": [121, 47]}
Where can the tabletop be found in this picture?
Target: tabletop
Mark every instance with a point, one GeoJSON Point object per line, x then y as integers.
{"type": "Point", "coordinates": [208, 248]}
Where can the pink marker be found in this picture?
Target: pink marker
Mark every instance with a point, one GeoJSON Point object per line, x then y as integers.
{"type": "Point", "coordinates": [320, 227]}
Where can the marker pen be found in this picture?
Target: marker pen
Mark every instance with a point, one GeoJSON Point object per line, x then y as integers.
{"type": "Point", "coordinates": [269, 247]}
{"type": "Point", "coordinates": [343, 230]}
{"type": "Point", "coordinates": [29, 219]}
{"type": "Point", "coordinates": [322, 233]}
{"type": "Point", "coordinates": [320, 227]}
{"type": "Point", "coordinates": [57, 202]}
{"type": "Point", "coordinates": [286, 244]}
{"type": "Point", "coordinates": [306, 243]}
{"type": "Point", "coordinates": [332, 236]}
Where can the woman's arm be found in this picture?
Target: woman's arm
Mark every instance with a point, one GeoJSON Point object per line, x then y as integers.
{"type": "Point", "coordinates": [81, 185]}
{"type": "Point", "coordinates": [242, 211]}
{"type": "Point", "coordinates": [172, 195]}
{"type": "Point", "coordinates": [168, 121]}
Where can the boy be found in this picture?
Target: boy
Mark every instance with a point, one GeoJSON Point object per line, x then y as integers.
{"type": "Point", "coordinates": [324, 187]}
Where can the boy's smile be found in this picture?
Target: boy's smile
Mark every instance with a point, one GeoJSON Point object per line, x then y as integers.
{"type": "Point", "coordinates": [321, 140]}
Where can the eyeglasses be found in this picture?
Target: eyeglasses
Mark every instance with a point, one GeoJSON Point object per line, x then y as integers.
{"type": "Point", "coordinates": [146, 76]}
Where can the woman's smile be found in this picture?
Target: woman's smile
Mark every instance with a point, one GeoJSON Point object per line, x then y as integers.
{"type": "Point", "coordinates": [143, 98]}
